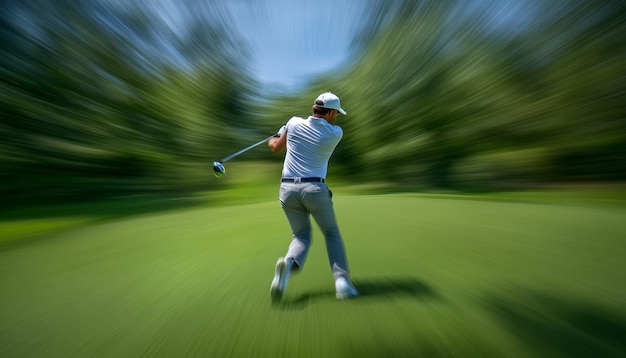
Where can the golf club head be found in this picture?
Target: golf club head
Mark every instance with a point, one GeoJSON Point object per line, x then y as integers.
{"type": "Point", "coordinates": [218, 169]}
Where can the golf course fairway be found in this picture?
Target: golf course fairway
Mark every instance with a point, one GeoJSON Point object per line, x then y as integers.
{"type": "Point", "coordinates": [438, 277]}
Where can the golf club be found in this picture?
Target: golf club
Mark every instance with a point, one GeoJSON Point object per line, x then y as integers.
{"type": "Point", "coordinates": [218, 166]}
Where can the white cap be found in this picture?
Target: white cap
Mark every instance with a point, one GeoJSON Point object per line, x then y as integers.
{"type": "Point", "coordinates": [330, 100]}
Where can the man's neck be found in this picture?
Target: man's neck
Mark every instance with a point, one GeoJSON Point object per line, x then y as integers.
{"type": "Point", "coordinates": [318, 116]}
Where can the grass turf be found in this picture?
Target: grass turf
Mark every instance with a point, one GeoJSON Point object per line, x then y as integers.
{"type": "Point", "coordinates": [438, 278]}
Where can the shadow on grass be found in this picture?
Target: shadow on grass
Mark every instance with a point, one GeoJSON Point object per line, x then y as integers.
{"type": "Point", "coordinates": [557, 326]}
{"type": "Point", "coordinates": [380, 288]}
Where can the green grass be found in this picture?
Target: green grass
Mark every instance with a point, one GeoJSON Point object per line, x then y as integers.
{"type": "Point", "coordinates": [491, 277]}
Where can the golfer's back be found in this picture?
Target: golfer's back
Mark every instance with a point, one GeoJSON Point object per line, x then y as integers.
{"type": "Point", "coordinates": [310, 143]}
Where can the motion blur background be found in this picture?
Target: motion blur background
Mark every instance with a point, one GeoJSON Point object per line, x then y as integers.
{"type": "Point", "coordinates": [108, 98]}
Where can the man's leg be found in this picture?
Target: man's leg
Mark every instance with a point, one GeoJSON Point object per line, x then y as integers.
{"type": "Point", "coordinates": [299, 247]}
{"type": "Point", "coordinates": [300, 222]}
{"type": "Point", "coordinates": [319, 203]}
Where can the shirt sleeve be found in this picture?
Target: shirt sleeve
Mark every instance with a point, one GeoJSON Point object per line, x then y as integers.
{"type": "Point", "coordinates": [291, 123]}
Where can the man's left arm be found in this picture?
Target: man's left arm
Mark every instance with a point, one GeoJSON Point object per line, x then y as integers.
{"type": "Point", "coordinates": [279, 142]}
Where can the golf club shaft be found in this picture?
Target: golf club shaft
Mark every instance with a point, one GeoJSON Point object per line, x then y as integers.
{"type": "Point", "coordinates": [245, 149]}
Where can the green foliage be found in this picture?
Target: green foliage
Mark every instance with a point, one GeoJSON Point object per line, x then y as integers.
{"type": "Point", "coordinates": [86, 111]}
{"type": "Point", "coordinates": [444, 85]}
{"type": "Point", "coordinates": [100, 99]}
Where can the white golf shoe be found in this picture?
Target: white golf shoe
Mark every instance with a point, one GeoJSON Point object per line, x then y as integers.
{"type": "Point", "coordinates": [344, 289]}
{"type": "Point", "coordinates": [281, 277]}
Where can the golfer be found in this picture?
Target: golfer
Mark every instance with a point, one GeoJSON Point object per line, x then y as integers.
{"type": "Point", "coordinates": [303, 192]}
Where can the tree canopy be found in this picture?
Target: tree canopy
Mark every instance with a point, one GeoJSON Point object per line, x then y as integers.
{"type": "Point", "coordinates": [101, 99]}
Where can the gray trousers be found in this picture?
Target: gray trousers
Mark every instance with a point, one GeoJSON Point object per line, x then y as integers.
{"type": "Point", "coordinates": [301, 201]}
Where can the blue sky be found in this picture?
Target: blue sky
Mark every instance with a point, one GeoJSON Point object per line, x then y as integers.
{"type": "Point", "coordinates": [291, 41]}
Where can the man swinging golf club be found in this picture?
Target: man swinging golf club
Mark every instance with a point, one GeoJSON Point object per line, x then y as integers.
{"type": "Point", "coordinates": [303, 192]}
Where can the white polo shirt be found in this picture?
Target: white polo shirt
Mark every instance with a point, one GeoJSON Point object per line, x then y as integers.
{"type": "Point", "coordinates": [310, 143]}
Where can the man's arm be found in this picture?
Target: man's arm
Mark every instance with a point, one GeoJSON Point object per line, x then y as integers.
{"type": "Point", "coordinates": [278, 144]}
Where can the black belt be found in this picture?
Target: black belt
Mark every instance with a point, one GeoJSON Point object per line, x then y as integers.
{"type": "Point", "coordinates": [302, 180]}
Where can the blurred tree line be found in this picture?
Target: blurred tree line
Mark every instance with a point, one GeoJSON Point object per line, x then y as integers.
{"type": "Point", "coordinates": [100, 98]}
{"type": "Point", "coordinates": [457, 95]}
{"type": "Point", "coordinates": [103, 98]}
